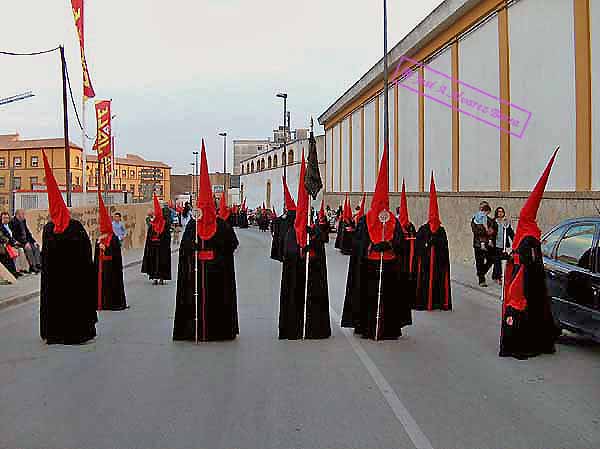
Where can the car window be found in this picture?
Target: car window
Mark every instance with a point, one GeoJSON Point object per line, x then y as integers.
{"type": "Point", "coordinates": [575, 248]}
{"type": "Point", "coordinates": [550, 240]}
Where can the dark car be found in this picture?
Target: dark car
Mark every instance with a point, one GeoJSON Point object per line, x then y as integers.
{"type": "Point", "coordinates": [572, 265]}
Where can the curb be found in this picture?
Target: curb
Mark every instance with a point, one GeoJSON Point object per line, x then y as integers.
{"type": "Point", "coordinates": [16, 300]}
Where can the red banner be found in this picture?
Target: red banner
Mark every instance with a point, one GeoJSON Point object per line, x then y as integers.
{"type": "Point", "coordinates": [88, 90]}
{"type": "Point", "coordinates": [103, 136]}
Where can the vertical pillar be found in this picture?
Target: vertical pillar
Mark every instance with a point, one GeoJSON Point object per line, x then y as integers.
{"type": "Point", "coordinates": [504, 70]}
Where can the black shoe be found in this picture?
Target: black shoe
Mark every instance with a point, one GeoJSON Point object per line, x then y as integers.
{"type": "Point", "coordinates": [483, 283]}
{"type": "Point", "coordinates": [154, 282]}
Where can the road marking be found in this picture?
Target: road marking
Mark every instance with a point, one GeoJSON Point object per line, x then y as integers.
{"type": "Point", "coordinates": [411, 427]}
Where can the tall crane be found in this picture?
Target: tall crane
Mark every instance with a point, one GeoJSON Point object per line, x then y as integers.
{"type": "Point", "coordinates": [14, 98]}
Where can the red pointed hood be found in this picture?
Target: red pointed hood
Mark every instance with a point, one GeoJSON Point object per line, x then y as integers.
{"type": "Point", "coordinates": [158, 224]}
{"type": "Point", "coordinates": [224, 211]}
{"type": "Point", "coordinates": [403, 217]}
{"type": "Point", "coordinates": [321, 216]}
{"type": "Point", "coordinates": [361, 211]}
{"type": "Point", "coordinates": [347, 211]}
{"type": "Point", "coordinates": [527, 218]}
{"type": "Point", "coordinates": [289, 201]}
{"type": "Point", "coordinates": [434, 212]}
{"type": "Point", "coordinates": [206, 223]}
{"type": "Point", "coordinates": [104, 220]}
{"type": "Point", "coordinates": [59, 214]}
{"type": "Point", "coordinates": [380, 203]}
{"type": "Point", "coordinates": [301, 220]}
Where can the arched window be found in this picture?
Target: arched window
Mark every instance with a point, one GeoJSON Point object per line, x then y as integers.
{"type": "Point", "coordinates": [275, 161]}
{"type": "Point", "coordinates": [247, 168]}
{"type": "Point", "coordinates": [269, 162]}
{"type": "Point", "coordinates": [262, 164]}
{"type": "Point", "coordinates": [252, 166]}
{"type": "Point", "coordinates": [242, 169]}
{"type": "Point", "coordinates": [290, 157]}
{"type": "Point", "coordinates": [283, 161]}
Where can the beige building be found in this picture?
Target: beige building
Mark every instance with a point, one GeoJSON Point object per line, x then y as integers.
{"type": "Point", "coordinates": [23, 158]}
{"type": "Point", "coordinates": [134, 174]}
{"type": "Point", "coordinates": [246, 148]}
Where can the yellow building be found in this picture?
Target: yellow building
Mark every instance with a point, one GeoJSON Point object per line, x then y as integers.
{"type": "Point", "coordinates": [134, 174]}
{"type": "Point", "coordinates": [23, 157]}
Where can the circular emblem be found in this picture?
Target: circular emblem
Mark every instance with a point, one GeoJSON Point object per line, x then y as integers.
{"type": "Point", "coordinates": [199, 214]}
{"type": "Point", "coordinates": [384, 216]}
{"type": "Point", "coordinates": [509, 320]}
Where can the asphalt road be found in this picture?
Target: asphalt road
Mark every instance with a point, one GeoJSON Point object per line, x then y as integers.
{"type": "Point", "coordinates": [440, 386]}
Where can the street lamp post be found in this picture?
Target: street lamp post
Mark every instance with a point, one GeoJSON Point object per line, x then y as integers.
{"type": "Point", "coordinates": [224, 136]}
{"type": "Point", "coordinates": [196, 176]}
{"type": "Point", "coordinates": [192, 189]}
{"type": "Point", "coordinates": [284, 96]}
{"type": "Point", "coordinates": [386, 126]}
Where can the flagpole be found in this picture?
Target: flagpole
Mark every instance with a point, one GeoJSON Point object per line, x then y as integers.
{"type": "Point", "coordinates": [306, 270]}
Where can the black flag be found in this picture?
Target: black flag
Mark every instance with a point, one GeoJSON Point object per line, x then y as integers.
{"type": "Point", "coordinates": [312, 178]}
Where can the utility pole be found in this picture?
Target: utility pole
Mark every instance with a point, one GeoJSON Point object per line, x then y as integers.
{"type": "Point", "coordinates": [66, 127]}
{"type": "Point", "coordinates": [284, 96]}
{"type": "Point", "coordinates": [224, 135]}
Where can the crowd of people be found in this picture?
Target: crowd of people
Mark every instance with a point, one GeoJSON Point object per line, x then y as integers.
{"type": "Point", "coordinates": [394, 269]}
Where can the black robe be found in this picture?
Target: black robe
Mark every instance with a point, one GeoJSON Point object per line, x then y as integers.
{"type": "Point", "coordinates": [347, 237]}
{"type": "Point", "coordinates": [277, 230]}
{"type": "Point", "coordinates": [433, 291]}
{"type": "Point", "coordinates": [408, 262]}
{"type": "Point", "coordinates": [293, 277]}
{"type": "Point", "coordinates": [217, 301]}
{"type": "Point", "coordinates": [532, 331]}
{"type": "Point", "coordinates": [339, 234]}
{"type": "Point", "coordinates": [113, 287]}
{"type": "Point", "coordinates": [362, 288]}
{"type": "Point", "coordinates": [157, 254]}
{"type": "Point", "coordinates": [243, 220]}
{"type": "Point", "coordinates": [67, 294]}
{"type": "Point", "coordinates": [318, 323]}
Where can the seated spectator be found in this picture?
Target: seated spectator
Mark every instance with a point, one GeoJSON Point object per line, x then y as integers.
{"type": "Point", "coordinates": [8, 252]}
{"type": "Point", "coordinates": [119, 227]}
{"type": "Point", "coordinates": [21, 233]}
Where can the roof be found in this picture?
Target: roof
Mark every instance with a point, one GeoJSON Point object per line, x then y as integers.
{"type": "Point", "coordinates": [133, 159]}
{"type": "Point", "coordinates": [14, 142]}
{"type": "Point", "coordinates": [448, 12]}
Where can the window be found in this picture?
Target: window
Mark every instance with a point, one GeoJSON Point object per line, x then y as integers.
{"type": "Point", "coordinates": [283, 158]}
{"type": "Point", "coordinates": [242, 169]}
{"type": "Point", "coordinates": [2, 162]}
{"type": "Point", "coordinates": [124, 173]}
{"type": "Point", "coordinates": [17, 161]}
{"type": "Point", "coordinates": [275, 161]}
{"type": "Point", "coordinates": [2, 181]}
{"type": "Point", "coordinates": [549, 242]}
{"type": "Point", "coordinates": [575, 248]}
{"type": "Point", "coordinates": [35, 161]}
{"type": "Point", "coordinates": [262, 164]}
{"type": "Point", "coordinates": [290, 157]}
{"type": "Point", "coordinates": [116, 173]}
{"type": "Point", "coordinates": [123, 187]}
{"type": "Point", "coordinates": [132, 187]}
{"type": "Point", "coordinates": [269, 162]}
{"type": "Point", "coordinates": [76, 180]}
{"type": "Point", "coordinates": [252, 166]}
{"type": "Point", "coordinates": [33, 180]}
{"type": "Point", "coordinates": [17, 183]}
{"type": "Point", "coordinates": [247, 168]}
{"type": "Point", "coordinates": [132, 174]}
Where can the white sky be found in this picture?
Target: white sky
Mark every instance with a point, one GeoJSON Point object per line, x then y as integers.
{"type": "Point", "coordinates": [181, 70]}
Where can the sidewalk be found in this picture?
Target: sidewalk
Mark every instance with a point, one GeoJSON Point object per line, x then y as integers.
{"type": "Point", "coordinates": [28, 287]}
{"type": "Point", "coordinates": [464, 275]}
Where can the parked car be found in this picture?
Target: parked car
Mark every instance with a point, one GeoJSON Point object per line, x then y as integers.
{"type": "Point", "coordinates": [572, 265]}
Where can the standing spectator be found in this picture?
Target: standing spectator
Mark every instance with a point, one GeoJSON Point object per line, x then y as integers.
{"type": "Point", "coordinates": [119, 227]}
{"type": "Point", "coordinates": [186, 215]}
{"type": "Point", "coordinates": [504, 237]}
{"type": "Point", "coordinates": [21, 264]}
{"type": "Point", "coordinates": [22, 235]}
{"type": "Point", "coordinates": [483, 228]}
{"type": "Point", "coordinates": [149, 218]}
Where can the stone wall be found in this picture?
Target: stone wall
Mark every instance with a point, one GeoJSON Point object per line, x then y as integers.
{"type": "Point", "coordinates": [134, 218]}
{"type": "Point", "coordinates": [456, 210]}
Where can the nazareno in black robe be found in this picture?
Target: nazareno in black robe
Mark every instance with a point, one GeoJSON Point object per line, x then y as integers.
{"type": "Point", "coordinates": [157, 254]}
{"type": "Point", "coordinates": [318, 323]}
{"type": "Point", "coordinates": [408, 262]}
{"type": "Point", "coordinates": [433, 291]}
{"type": "Point", "coordinates": [362, 287]}
{"type": "Point", "coordinates": [218, 318]}
{"type": "Point", "coordinates": [67, 294]}
{"type": "Point", "coordinates": [278, 226]}
{"type": "Point", "coordinates": [293, 277]}
{"type": "Point", "coordinates": [532, 331]}
{"type": "Point", "coordinates": [347, 237]}
{"type": "Point", "coordinates": [113, 287]}
{"type": "Point", "coordinates": [243, 220]}
{"type": "Point", "coordinates": [339, 234]}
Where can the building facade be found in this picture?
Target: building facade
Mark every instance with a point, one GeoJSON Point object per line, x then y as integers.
{"type": "Point", "coordinates": [246, 148]}
{"type": "Point", "coordinates": [22, 166]}
{"type": "Point", "coordinates": [261, 175]}
{"type": "Point", "coordinates": [531, 58]}
{"type": "Point", "coordinates": [134, 174]}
